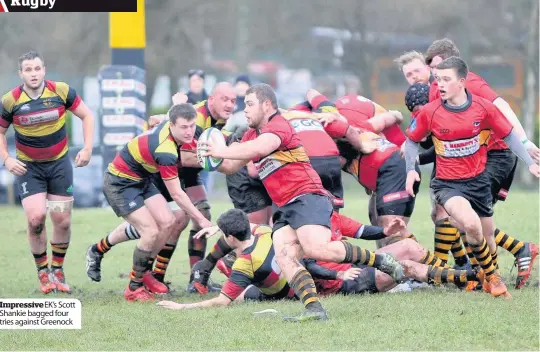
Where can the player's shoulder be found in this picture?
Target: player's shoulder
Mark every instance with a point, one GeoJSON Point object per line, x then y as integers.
{"type": "Point", "coordinates": [295, 114]}
{"type": "Point", "coordinates": [201, 107]}
{"type": "Point", "coordinates": [478, 100]}
{"type": "Point", "coordinates": [243, 265]}
{"type": "Point", "coordinates": [431, 107]}
{"type": "Point", "coordinates": [473, 77]}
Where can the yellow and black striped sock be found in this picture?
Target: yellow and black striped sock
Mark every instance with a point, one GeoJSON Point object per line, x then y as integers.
{"type": "Point", "coordinates": [358, 255]}
{"type": "Point", "coordinates": [103, 246]}
{"type": "Point", "coordinates": [438, 275]}
{"type": "Point", "coordinates": [508, 242]}
{"type": "Point", "coordinates": [41, 260]}
{"type": "Point", "coordinates": [458, 251]}
{"type": "Point", "coordinates": [304, 287]}
{"type": "Point", "coordinates": [430, 259]}
{"type": "Point", "coordinates": [58, 254]}
{"type": "Point", "coordinates": [141, 260]}
{"type": "Point", "coordinates": [445, 235]}
{"type": "Point", "coordinates": [470, 254]}
{"type": "Point", "coordinates": [162, 261]}
{"type": "Point", "coordinates": [196, 248]}
{"type": "Point", "coordinates": [483, 256]}
{"type": "Point", "coordinates": [495, 260]}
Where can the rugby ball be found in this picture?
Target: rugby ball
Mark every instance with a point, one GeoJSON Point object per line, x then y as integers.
{"type": "Point", "coordinates": [209, 163]}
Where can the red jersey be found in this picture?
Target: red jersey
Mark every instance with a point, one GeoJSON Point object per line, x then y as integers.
{"type": "Point", "coordinates": [477, 86]}
{"type": "Point", "coordinates": [358, 108]}
{"type": "Point", "coordinates": [286, 173]}
{"type": "Point", "coordinates": [341, 226]}
{"type": "Point", "coordinates": [459, 135]}
{"type": "Point", "coordinates": [316, 139]}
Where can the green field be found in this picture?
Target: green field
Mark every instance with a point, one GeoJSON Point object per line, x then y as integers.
{"type": "Point", "coordinates": [428, 319]}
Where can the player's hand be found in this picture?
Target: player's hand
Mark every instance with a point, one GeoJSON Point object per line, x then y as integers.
{"type": "Point", "coordinates": [16, 167]}
{"type": "Point", "coordinates": [179, 98]}
{"type": "Point", "coordinates": [207, 232]}
{"type": "Point", "coordinates": [396, 226]}
{"type": "Point", "coordinates": [205, 223]}
{"type": "Point", "coordinates": [83, 157]}
{"type": "Point", "coordinates": [155, 120]}
{"type": "Point", "coordinates": [349, 274]}
{"type": "Point", "coordinates": [398, 115]}
{"type": "Point", "coordinates": [209, 148]}
{"type": "Point", "coordinates": [412, 177]}
{"type": "Point", "coordinates": [326, 118]}
{"type": "Point", "coordinates": [535, 170]}
{"type": "Point", "coordinates": [533, 150]}
{"type": "Point", "coordinates": [402, 151]}
{"type": "Point", "coordinates": [171, 305]}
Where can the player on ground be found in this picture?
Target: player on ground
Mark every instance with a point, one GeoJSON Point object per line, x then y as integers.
{"type": "Point", "coordinates": [302, 218]}
{"type": "Point", "coordinates": [38, 109]}
{"type": "Point", "coordinates": [128, 187]}
{"type": "Point", "coordinates": [255, 274]}
{"type": "Point", "coordinates": [460, 125]}
{"type": "Point", "coordinates": [501, 163]}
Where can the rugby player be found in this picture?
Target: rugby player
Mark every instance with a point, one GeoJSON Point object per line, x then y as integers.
{"type": "Point", "coordinates": [460, 124]}
{"type": "Point", "coordinates": [501, 162]}
{"type": "Point", "coordinates": [128, 187]}
{"type": "Point", "coordinates": [44, 174]}
{"type": "Point", "coordinates": [255, 274]}
{"type": "Point", "coordinates": [301, 222]}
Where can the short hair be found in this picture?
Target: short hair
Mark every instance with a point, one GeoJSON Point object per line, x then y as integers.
{"type": "Point", "coordinates": [456, 63]}
{"type": "Point", "coordinates": [263, 92]}
{"type": "Point", "coordinates": [408, 57]}
{"type": "Point", "coordinates": [185, 111]}
{"type": "Point", "coordinates": [234, 222]}
{"type": "Point", "coordinates": [444, 48]}
{"type": "Point", "coordinates": [31, 55]}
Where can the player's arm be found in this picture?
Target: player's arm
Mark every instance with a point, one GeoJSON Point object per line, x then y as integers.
{"type": "Point", "coordinates": [16, 167]}
{"type": "Point", "coordinates": [418, 130]}
{"type": "Point", "coordinates": [319, 272]}
{"type": "Point", "coordinates": [76, 105]}
{"type": "Point", "coordinates": [189, 159]}
{"type": "Point", "coordinates": [504, 130]}
{"type": "Point", "coordinates": [354, 229]}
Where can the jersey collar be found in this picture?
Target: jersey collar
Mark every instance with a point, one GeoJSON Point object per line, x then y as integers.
{"type": "Point", "coordinates": [459, 108]}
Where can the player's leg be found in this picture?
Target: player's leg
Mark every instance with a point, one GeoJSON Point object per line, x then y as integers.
{"type": "Point", "coordinates": [60, 204]}
{"type": "Point", "coordinates": [437, 275]}
{"type": "Point", "coordinates": [167, 250]}
{"type": "Point", "coordinates": [309, 215]}
{"type": "Point", "coordinates": [408, 249]}
{"type": "Point", "coordinates": [462, 211]}
{"type": "Point", "coordinates": [197, 247]}
{"type": "Point", "coordinates": [127, 200]}
{"type": "Point", "coordinates": [32, 188]}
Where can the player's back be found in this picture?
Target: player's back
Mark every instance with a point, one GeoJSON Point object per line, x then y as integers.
{"type": "Point", "coordinates": [258, 262]}
{"type": "Point", "coordinates": [146, 154]}
{"type": "Point", "coordinates": [40, 124]}
{"type": "Point", "coordinates": [313, 136]}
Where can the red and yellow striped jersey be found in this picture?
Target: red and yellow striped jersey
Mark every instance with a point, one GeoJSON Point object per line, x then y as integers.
{"type": "Point", "coordinates": [149, 153]}
{"type": "Point", "coordinates": [257, 266]}
{"type": "Point", "coordinates": [40, 124]}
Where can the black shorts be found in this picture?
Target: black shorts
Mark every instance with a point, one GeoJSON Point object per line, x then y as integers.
{"type": "Point", "coordinates": [307, 209]}
{"type": "Point", "coordinates": [190, 177]}
{"type": "Point", "coordinates": [501, 166]}
{"type": "Point", "coordinates": [329, 170]}
{"type": "Point", "coordinates": [392, 198]}
{"type": "Point", "coordinates": [51, 177]}
{"type": "Point", "coordinates": [125, 195]}
{"type": "Point", "coordinates": [160, 185]}
{"type": "Point", "coordinates": [246, 193]}
{"type": "Point", "coordinates": [365, 282]}
{"type": "Point", "coordinates": [477, 190]}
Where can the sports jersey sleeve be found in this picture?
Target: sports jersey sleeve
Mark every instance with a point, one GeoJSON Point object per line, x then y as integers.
{"type": "Point", "coordinates": [241, 277]}
{"type": "Point", "coordinates": [349, 226]}
{"type": "Point", "coordinates": [166, 157]}
{"type": "Point", "coordinates": [70, 97]}
{"type": "Point", "coordinates": [6, 117]}
{"type": "Point", "coordinates": [394, 135]}
{"type": "Point", "coordinates": [321, 104]}
{"type": "Point", "coordinates": [477, 86]}
{"type": "Point", "coordinates": [434, 93]}
{"type": "Point", "coordinates": [419, 127]}
{"type": "Point", "coordinates": [497, 122]}
{"type": "Point", "coordinates": [337, 129]}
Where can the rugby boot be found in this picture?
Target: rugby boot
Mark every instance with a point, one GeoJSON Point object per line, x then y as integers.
{"type": "Point", "coordinates": [59, 280]}
{"type": "Point", "coordinates": [391, 267]}
{"type": "Point", "coordinates": [45, 283]}
{"type": "Point", "coordinates": [222, 266]}
{"type": "Point", "coordinates": [525, 261]}
{"type": "Point", "coordinates": [153, 285]}
{"type": "Point", "coordinates": [93, 264]}
{"type": "Point", "coordinates": [141, 294]}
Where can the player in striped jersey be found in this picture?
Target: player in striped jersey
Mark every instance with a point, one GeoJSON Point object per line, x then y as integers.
{"type": "Point", "coordinates": [38, 110]}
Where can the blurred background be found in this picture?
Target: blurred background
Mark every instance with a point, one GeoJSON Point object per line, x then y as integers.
{"type": "Point", "coordinates": [340, 47]}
